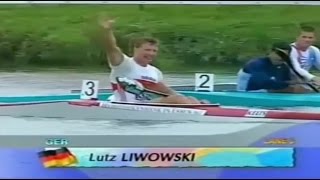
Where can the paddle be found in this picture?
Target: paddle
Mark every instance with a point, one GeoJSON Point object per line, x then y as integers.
{"type": "Point", "coordinates": [140, 91]}
{"type": "Point", "coordinates": [287, 60]}
{"type": "Point", "coordinates": [136, 88]}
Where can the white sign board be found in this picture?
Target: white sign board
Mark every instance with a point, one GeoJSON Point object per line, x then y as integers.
{"type": "Point", "coordinates": [204, 82]}
{"type": "Point", "coordinates": [89, 89]}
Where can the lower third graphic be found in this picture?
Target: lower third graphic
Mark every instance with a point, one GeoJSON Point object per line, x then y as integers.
{"type": "Point", "coordinates": [169, 157]}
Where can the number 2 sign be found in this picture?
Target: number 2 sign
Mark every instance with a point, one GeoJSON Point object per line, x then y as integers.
{"type": "Point", "coordinates": [204, 82]}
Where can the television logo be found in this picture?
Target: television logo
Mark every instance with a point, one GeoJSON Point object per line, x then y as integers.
{"type": "Point", "coordinates": [280, 141]}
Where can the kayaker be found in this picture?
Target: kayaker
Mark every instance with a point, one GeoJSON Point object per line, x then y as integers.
{"type": "Point", "coordinates": [270, 73]}
{"type": "Point", "coordinates": [304, 55]}
{"type": "Point", "coordinates": [138, 68]}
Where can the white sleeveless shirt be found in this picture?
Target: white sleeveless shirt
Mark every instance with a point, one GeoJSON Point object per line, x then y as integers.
{"type": "Point", "coordinates": [303, 61]}
{"type": "Point", "coordinates": [132, 70]}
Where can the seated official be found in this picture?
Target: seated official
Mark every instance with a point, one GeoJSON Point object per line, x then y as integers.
{"type": "Point", "coordinates": [270, 73]}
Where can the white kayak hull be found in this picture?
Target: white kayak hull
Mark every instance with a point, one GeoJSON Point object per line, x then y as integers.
{"type": "Point", "coordinates": [63, 110]}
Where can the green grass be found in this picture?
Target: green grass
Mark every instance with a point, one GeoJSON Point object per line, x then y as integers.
{"type": "Point", "coordinates": [211, 38]}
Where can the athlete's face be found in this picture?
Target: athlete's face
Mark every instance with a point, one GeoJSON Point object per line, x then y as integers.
{"type": "Point", "coordinates": [146, 53]}
{"type": "Point", "coordinates": [305, 39]}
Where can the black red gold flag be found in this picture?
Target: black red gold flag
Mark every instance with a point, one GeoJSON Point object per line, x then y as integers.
{"type": "Point", "coordinates": [57, 158]}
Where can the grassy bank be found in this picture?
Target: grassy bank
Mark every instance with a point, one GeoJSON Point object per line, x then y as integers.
{"type": "Point", "coordinates": [211, 38]}
{"type": "Point", "coordinates": [217, 69]}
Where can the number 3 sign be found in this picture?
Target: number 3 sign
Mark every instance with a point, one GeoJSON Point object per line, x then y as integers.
{"type": "Point", "coordinates": [89, 89]}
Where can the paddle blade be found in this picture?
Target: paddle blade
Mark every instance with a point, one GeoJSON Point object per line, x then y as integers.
{"type": "Point", "coordinates": [88, 103]}
{"type": "Point", "coordinates": [130, 86]}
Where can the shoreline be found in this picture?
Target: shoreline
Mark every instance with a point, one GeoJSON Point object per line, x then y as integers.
{"type": "Point", "coordinates": [186, 70]}
{"type": "Point", "coordinates": [204, 37]}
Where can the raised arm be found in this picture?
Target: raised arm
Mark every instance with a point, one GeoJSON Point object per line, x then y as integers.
{"type": "Point", "coordinates": [114, 53]}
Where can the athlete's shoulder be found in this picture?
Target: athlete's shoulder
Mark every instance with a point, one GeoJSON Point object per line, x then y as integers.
{"type": "Point", "coordinates": [260, 61]}
{"type": "Point", "coordinates": [127, 58]}
{"type": "Point", "coordinates": [293, 46]}
{"type": "Point", "coordinates": [315, 48]}
{"type": "Point", "coordinates": [157, 70]}
{"type": "Point", "coordinates": [125, 65]}
{"type": "Point", "coordinates": [312, 47]}
{"type": "Point", "coordinates": [256, 64]}
{"type": "Point", "coordinates": [153, 67]}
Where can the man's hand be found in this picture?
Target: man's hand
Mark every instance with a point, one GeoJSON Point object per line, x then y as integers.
{"type": "Point", "coordinates": [114, 53]}
{"type": "Point", "coordinates": [106, 24]}
{"type": "Point", "coordinates": [316, 81]}
{"type": "Point", "coordinates": [296, 80]}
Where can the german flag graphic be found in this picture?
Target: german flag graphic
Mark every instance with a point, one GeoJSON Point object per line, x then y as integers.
{"type": "Point", "coordinates": [57, 158]}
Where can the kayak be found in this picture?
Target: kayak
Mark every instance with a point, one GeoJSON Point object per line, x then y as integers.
{"type": "Point", "coordinates": [267, 100]}
{"type": "Point", "coordinates": [103, 110]}
{"type": "Point", "coordinates": [226, 94]}
{"type": "Point", "coordinates": [219, 87]}
{"type": "Point", "coordinates": [201, 109]}
{"type": "Point", "coordinates": [258, 99]}
{"type": "Point", "coordinates": [104, 94]}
